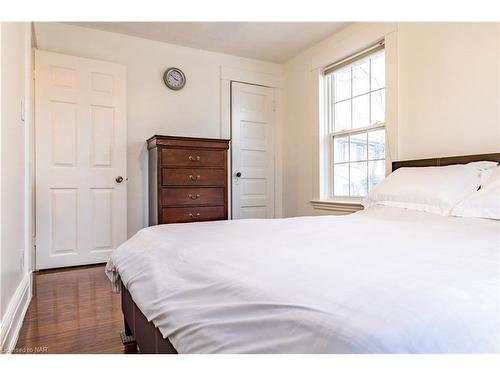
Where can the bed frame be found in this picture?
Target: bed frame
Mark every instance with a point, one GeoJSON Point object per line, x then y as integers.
{"type": "Point", "coordinates": [450, 160]}
{"type": "Point", "coordinates": [147, 338]}
{"type": "Point", "coordinates": [139, 332]}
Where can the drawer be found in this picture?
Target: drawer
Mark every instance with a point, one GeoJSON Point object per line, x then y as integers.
{"type": "Point", "coordinates": [184, 157]}
{"type": "Point", "coordinates": [192, 196]}
{"type": "Point", "coordinates": [193, 177]}
{"type": "Point", "coordinates": [187, 214]}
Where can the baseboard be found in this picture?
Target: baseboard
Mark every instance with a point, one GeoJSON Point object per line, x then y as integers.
{"type": "Point", "coordinates": [14, 316]}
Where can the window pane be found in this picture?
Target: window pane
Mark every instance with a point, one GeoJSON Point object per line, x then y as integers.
{"type": "Point", "coordinates": [358, 179]}
{"type": "Point", "coordinates": [361, 77]}
{"type": "Point", "coordinates": [378, 70]}
{"type": "Point", "coordinates": [340, 149]}
{"type": "Point", "coordinates": [342, 116]}
{"type": "Point", "coordinates": [378, 106]}
{"type": "Point", "coordinates": [342, 80]}
{"type": "Point", "coordinates": [357, 100]}
{"type": "Point", "coordinates": [376, 144]}
{"type": "Point", "coordinates": [341, 179]}
{"type": "Point", "coordinates": [358, 147]}
{"type": "Point", "coordinates": [376, 172]}
{"type": "Point", "coordinates": [361, 111]}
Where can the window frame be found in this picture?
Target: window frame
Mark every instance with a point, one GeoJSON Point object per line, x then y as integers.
{"type": "Point", "coordinates": [329, 113]}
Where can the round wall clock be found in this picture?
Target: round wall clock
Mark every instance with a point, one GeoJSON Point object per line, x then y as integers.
{"type": "Point", "coordinates": [174, 78]}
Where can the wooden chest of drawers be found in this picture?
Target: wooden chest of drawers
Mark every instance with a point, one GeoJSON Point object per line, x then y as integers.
{"type": "Point", "coordinates": [187, 179]}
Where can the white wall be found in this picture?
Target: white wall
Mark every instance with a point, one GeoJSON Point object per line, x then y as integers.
{"type": "Point", "coordinates": [445, 86]}
{"type": "Point", "coordinates": [151, 107]}
{"type": "Point", "coordinates": [15, 62]}
{"type": "Point", "coordinates": [448, 89]}
{"type": "Point", "coordinates": [12, 159]}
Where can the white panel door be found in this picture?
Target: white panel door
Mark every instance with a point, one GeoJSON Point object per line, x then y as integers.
{"type": "Point", "coordinates": [80, 135]}
{"type": "Point", "coordinates": [252, 151]}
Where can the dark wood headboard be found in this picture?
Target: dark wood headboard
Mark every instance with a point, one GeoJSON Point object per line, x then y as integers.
{"type": "Point", "coordinates": [439, 162]}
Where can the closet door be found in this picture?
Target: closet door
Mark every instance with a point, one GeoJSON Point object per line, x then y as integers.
{"type": "Point", "coordinates": [80, 135]}
{"type": "Point", "coordinates": [252, 151]}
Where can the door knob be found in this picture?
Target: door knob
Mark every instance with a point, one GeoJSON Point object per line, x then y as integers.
{"type": "Point", "coordinates": [119, 179]}
{"type": "Point", "coordinates": [238, 174]}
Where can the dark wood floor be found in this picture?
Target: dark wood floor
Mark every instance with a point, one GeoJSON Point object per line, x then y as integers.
{"type": "Point", "coordinates": [72, 311]}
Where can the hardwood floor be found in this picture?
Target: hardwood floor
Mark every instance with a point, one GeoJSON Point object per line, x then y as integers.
{"type": "Point", "coordinates": [72, 311]}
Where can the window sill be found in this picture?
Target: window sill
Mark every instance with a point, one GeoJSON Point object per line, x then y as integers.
{"type": "Point", "coordinates": [342, 207]}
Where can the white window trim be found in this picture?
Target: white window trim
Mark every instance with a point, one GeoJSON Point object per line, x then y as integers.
{"type": "Point", "coordinates": [378, 125]}
{"type": "Point", "coordinates": [337, 206]}
{"type": "Point", "coordinates": [322, 161]}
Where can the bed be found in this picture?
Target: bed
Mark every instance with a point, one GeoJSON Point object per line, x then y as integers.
{"type": "Point", "coordinates": [382, 280]}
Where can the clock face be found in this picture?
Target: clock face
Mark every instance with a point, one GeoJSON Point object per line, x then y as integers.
{"type": "Point", "coordinates": [174, 79]}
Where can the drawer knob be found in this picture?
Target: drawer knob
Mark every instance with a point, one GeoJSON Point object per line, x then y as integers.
{"type": "Point", "coordinates": [194, 158]}
{"type": "Point", "coordinates": [194, 178]}
{"type": "Point", "coordinates": [193, 196]}
{"type": "Point", "coordinates": [194, 215]}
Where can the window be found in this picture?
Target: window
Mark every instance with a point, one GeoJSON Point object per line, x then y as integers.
{"type": "Point", "coordinates": [355, 95]}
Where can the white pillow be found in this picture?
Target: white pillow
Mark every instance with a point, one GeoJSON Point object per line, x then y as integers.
{"type": "Point", "coordinates": [484, 203]}
{"type": "Point", "coordinates": [431, 189]}
{"type": "Point", "coordinates": [486, 167]}
{"type": "Point", "coordinates": [483, 165]}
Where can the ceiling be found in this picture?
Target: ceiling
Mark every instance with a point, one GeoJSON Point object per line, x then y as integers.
{"type": "Point", "coordinates": [269, 41]}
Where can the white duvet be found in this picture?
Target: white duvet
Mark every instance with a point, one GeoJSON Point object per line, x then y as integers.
{"type": "Point", "coordinates": [384, 280]}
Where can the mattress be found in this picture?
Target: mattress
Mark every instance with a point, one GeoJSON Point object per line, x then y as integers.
{"type": "Point", "coordinates": [383, 280]}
